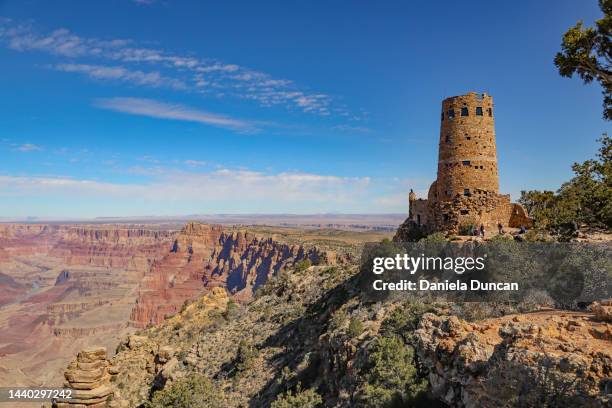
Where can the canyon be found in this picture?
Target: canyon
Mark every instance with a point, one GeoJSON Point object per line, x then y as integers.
{"type": "Point", "coordinates": [64, 287]}
{"type": "Point", "coordinates": [209, 256]}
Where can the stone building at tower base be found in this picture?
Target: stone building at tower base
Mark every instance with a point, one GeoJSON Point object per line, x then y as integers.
{"type": "Point", "coordinates": [462, 213]}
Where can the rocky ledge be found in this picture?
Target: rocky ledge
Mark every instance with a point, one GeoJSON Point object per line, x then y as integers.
{"type": "Point", "coordinates": [518, 360]}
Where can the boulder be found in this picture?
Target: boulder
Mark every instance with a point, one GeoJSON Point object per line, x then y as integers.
{"type": "Point", "coordinates": [602, 310]}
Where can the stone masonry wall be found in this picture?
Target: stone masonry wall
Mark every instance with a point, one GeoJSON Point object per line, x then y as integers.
{"type": "Point", "coordinates": [419, 210]}
{"type": "Point", "coordinates": [486, 209]}
{"type": "Point", "coordinates": [467, 160]}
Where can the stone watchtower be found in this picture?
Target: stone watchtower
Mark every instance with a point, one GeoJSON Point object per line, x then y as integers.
{"type": "Point", "coordinates": [467, 160]}
{"type": "Point", "coordinates": [466, 191]}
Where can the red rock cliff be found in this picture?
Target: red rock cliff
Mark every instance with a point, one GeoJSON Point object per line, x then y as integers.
{"type": "Point", "coordinates": [130, 248]}
{"type": "Point", "coordinates": [205, 256]}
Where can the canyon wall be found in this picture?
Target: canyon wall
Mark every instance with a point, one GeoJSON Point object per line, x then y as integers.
{"type": "Point", "coordinates": [206, 256]}
{"type": "Point", "coordinates": [112, 247]}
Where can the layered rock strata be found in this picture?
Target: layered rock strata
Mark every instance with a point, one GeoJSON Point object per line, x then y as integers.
{"type": "Point", "coordinates": [89, 379]}
{"type": "Point", "coordinates": [206, 256]}
{"type": "Point", "coordinates": [131, 248]}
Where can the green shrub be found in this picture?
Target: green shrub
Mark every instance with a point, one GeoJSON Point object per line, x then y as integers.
{"type": "Point", "coordinates": [186, 303]}
{"type": "Point", "coordinates": [535, 299]}
{"type": "Point", "coordinates": [337, 319]}
{"type": "Point", "coordinates": [404, 319]}
{"type": "Point", "coordinates": [181, 355]}
{"type": "Point", "coordinates": [435, 237]}
{"type": "Point", "coordinates": [467, 229]}
{"type": "Point", "coordinates": [246, 355]}
{"type": "Point", "coordinates": [585, 199]}
{"type": "Point", "coordinates": [332, 271]}
{"type": "Point", "coordinates": [302, 265]}
{"type": "Point", "coordinates": [539, 385]}
{"type": "Point", "coordinates": [535, 235]}
{"type": "Point", "coordinates": [355, 327]}
{"type": "Point", "coordinates": [301, 399]}
{"type": "Point", "coordinates": [392, 378]}
{"type": "Point", "coordinates": [192, 391]}
{"type": "Point", "coordinates": [232, 310]}
{"type": "Point", "coordinates": [502, 238]}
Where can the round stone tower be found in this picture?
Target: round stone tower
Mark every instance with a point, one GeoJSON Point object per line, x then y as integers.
{"type": "Point", "coordinates": [467, 160]}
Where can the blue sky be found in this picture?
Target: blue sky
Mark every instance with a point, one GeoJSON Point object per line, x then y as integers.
{"type": "Point", "coordinates": [121, 108]}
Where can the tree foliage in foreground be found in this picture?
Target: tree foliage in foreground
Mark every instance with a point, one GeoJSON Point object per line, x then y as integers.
{"type": "Point", "coordinates": [587, 52]}
{"type": "Point", "coordinates": [392, 378]}
{"type": "Point", "coordinates": [585, 199]}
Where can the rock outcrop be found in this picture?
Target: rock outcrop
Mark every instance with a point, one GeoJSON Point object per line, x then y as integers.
{"type": "Point", "coordinates": [150, 361]}
{"type": "Point", "coordinates": [89, 379]}
{"type": "Point", "coordinates": [603, 310]}
{"type": "Point", "coordinates": [507, 361]}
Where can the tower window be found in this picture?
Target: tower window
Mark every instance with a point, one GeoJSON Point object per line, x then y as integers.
{"type": "Point", "coordinates": [468, 138]}
{"type": "Point", "coordinates": [442, 115]}
{"type": "Point", "coordinates": [479, 111]}
{"type": "Point", "coordinates": [466, 162]}
{"type": "Point", "coordinates": [464, 112]}
{"type": "Point", "coordinates": [448, 138]}
{"type": "Point", "coordinates": [451, 114]}
{"type": "Point", "coordinates": [490, 112]}
{"type": "Point", "coordinates": [466, 192]}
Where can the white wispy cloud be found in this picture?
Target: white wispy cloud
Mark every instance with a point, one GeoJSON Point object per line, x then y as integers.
{"type": "Point", "coordinates": [161, 110]}
{"type": "Point", "coordinates": [352, 129]}
{"type": "Point", "coordinates": [218, 186]}
{"type": "Point", "coordinates": [196, 163]}
{"type": "Point", "coordinates": [27, 147]}
{"type": "Point", "coordinates": [154, 79]}
{"type": "Point", "coordinates": [181, 72]}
